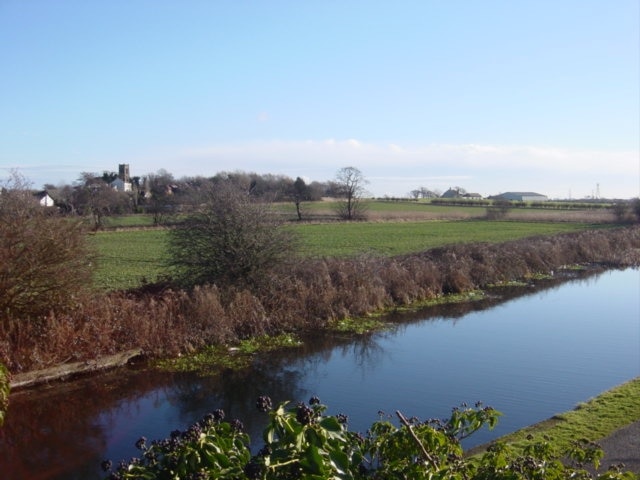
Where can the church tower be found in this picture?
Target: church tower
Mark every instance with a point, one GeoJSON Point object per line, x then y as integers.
{"type": "Point", "coordinates": [123, 172]}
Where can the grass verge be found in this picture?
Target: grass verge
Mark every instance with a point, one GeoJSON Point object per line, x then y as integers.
{"type": "Point", "coordinates": [591, 420]}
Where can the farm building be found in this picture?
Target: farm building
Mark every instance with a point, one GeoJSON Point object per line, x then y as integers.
{"type": "Point", "coordinates": [460, 193]}
{"type": "Point", "coordinates": [452, 193]}
{"type": "Point", "coordinates": [472, 196]}
{"type": "Point", "coordinates": [520, 197]}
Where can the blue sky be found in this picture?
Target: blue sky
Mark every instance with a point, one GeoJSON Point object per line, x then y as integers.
{"type": "Point", "coordinates": [492, 96]}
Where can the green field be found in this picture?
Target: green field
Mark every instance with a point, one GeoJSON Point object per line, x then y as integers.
{"type": "Point", "coordinates": [380, 208]}
{"type": "Point", "coordinates": [127, 221]}
{"type": "Point", "coordinates": [129, 257]}
{"type": "Point", "coordinates": [394, 238]}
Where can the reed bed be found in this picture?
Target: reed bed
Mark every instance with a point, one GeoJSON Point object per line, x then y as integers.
{"type": "Point", "coordinates": [305, 295]}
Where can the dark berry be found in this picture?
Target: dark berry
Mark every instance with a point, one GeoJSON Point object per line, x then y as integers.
{"type": "Point", "coordinates": [263, 404]}
{"type": "Point", "coordinates": [106, 465]}
{"type": "Point", "coordinates": [237, 425]}
{"type": "Point", "coordinates": [141, 444]}
{"type": "Point", "coordinates": [218, 415]}
{"type": "Point", "coordinates": [304, 414]}
{"type": "Point", "coordinates": [342, 418]}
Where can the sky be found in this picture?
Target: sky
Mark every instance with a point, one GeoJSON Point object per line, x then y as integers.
{"type": "Point", "coordinates": [491, 96]}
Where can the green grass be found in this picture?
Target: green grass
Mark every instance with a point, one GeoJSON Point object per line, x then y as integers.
{"type": "Point", "coordinates": [138, 220]}
{"type": "Point", "coordinates": [394, 238]}
{"type": "Point", "coordinates": [126, 258]}
{"type": "Point", "coordinates": [380, 207]}
{"type": "Point", "coordinates": [591, 420]}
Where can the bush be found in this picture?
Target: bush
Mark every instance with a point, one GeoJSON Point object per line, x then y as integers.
{"type": "Point", "coordinates": [232, 240]}
{"type": "Point", "coordinates": [45, 263]}
{"type": "Point", "coordinates": [498, 210]}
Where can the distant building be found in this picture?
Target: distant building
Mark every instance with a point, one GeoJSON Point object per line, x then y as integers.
{"type": "Point", "coordinates": [123, 182]}
{"type": "Point", "coordinates": [472, 196]}
{"type": "Point", "coordinates": [452, 193]}
{"type": "Point", "coordinates": [457, 192]}
{"type": "Point", "coordinates": [521, 197]}
{"type": "Point", "coordinates": [44, 199]}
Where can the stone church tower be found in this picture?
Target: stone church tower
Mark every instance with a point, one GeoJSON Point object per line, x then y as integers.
{"type": "Point", "coordinates": [123, 182]}
{"type": "Point", "coordinates": [123, 172]}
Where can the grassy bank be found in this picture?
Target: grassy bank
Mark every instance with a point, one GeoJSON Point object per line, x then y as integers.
{"type": "Point", "coordinates": [127, 258]}
{"type": "Point", "coordinates": [591, 420]}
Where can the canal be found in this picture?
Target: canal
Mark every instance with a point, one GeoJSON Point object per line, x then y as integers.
{"type": "Point", "coordinates": [530, 352]}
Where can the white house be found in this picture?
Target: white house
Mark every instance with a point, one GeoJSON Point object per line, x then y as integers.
{"type": "Point", "coordinates": [44, 199]}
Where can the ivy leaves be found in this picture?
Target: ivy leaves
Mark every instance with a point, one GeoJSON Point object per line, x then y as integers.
{"type": "Point", "coordinates": [303, 441]}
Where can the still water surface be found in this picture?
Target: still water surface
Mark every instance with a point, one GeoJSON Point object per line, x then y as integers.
{"type": "Point", "coordinates": [530, 356]}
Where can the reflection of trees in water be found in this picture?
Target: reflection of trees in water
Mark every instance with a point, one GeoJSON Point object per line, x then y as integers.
{"type": "Point", "coordinates": [495, 296]}
{"type": "Point", "coordinates": [234, 391]}
{"type": "Point", "coordinates": [52, 432]}
{"type": "Point", "coordinates": [280, 375]}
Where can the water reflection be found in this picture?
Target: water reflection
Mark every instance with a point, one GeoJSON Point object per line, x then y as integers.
{"type": "Point", "coordinates": [58, 430]}
{"type": "Point", "coordinates": [425, 363]}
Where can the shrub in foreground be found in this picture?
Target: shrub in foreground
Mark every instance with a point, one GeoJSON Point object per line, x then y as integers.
{"type": "Point", "coordinates": [45, 263]}
{"type": "Point", "coordinates": [302, 441]}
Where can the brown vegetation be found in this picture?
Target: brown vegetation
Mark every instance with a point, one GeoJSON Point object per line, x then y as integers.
{"type": "Point", "coordinates": [306, 296]}
{"type": "Point", "coordinates": [44, 258]}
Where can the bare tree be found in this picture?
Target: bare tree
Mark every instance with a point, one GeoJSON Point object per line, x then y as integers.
{"type": "Point", "coordinates": [300, 193]}
{"type": "Point", "coordinates": [160, 195]}
{"type": "Point", "coordinates": [95, 197]}
{"type": "Point", "coordinates": [233, 240]}
{"type": "Point", "coordinates": [350, 187]}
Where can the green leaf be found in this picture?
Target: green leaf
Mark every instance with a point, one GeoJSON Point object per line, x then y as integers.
{"type": "Point", "coordinates": [312, 460]}
{"type": "Point", "coordinates": [331, 424]}
{"type": "Point", "coordinates": [339, 461]}
{"type": "Point", "coordinates": [269, 435]}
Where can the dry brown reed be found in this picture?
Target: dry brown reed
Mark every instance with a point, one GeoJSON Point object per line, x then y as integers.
{"type": "Point", "coordinates": [306, 296]}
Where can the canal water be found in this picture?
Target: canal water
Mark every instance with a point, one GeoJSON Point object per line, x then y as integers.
{"type": "Point", "coordinates": [530, 352]}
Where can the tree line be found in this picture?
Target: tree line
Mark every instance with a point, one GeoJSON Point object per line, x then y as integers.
{"type": "Point", "coordinates": [161, 194]}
